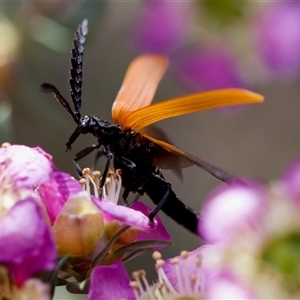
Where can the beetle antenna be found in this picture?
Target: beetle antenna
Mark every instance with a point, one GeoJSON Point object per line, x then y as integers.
{"type": "Point", "coordinates": [76, 66]}
{"type": "Point", "coordinates": [48, 87]}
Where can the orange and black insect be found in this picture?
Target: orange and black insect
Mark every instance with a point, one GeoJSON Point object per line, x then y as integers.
{"type": "Point", "coordinates": [139, 155]}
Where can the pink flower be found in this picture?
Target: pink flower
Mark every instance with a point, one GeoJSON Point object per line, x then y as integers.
{"type": "Point", "coordinates": [110, 282]}
{"type": "Point", "coordinates": [207, 67]}
{"type": "Point", "coordinates": [170, 28]}
{"type": "Point", "coordinates": [161, 26]}
{"type": "Point", "coordinates": [278, 38]}
{"type": "Point", "coordinates": [255, 229]}
{"type": "Point", "coordinates": [231, 210]}
{"type": "Point", "coordinates": [291, 180]}
{"type": "Point", "coordinates": [25, 166]}
{"type": "Point", "coordinates": [192, 275]}
{"type": "Point", "coordinates": [93, 231]}
{"type": "Point", "coordinates": [55, 192]}
{"type": "Point", "coordinates": [26, 243]}
{"type": "Point", "coordinates": [224, 284]}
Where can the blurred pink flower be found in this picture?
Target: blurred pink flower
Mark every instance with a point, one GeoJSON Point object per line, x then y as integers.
{"type": "Point", "coordinates": [278, 38]}
{"type": "Point", "coordinates": [231, 210]}
{"type": "Point", "coordinates": [207, 67]}
{"type": "Point", "coordinates": [255, 230]}
{"type": "Point", "coordinates": [191, 275]}
{"type": "Point", "coordinates": [224, 284]}
{"type": "Point", "coordinates": [161, 26]}
{"type": "Point", "coordinates": [291, 180]}
{"type": "Point", "coordinates": [167, 28]}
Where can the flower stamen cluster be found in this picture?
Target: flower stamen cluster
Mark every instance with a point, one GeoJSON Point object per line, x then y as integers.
{"type": "Point", "coordinates": [174, 283]}
{"type": "Point", "coordinates": [111, 188]}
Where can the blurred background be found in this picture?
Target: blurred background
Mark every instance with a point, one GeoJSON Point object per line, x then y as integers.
{"type": "Point", "coordinates": [211, 44]}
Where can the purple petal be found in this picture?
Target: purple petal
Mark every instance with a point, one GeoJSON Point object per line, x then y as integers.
{"type": "Point", "coordinates": [26, 243]}
{"type": "Point", "coordinates": [161, 26]}
{"type": "Point", "coordinates": [291, 179]}
{"type": "Point", "coordinates": [207, 68]}
{"type": "Point", "coordinates": [278, 37]}
{"type": "Point", "coordinates": [124, 215]}
{"type": "Point", "coordinates": [232, 209]}
{"type": "Point", "coordinates": [225, 285]}
{"type": "Point", "coordinates": [191, 264]}
{"type": "Point", "coordinates": [110, 282]}
{"type": "Point", "coordinates": [56, 191]}
{"type": "Point", "coordinates": [26, 166]}
{"type": "Point", "coordinates": [158, 233]}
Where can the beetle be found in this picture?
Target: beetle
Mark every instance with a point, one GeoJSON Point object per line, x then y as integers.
{"type": "Point", "coordinates": [139, 155]}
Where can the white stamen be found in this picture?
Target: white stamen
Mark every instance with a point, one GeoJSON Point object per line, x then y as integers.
{"type": "Point", "coordinates": [136, 277]}
{"type": "Point", "coordinates": [87, 180]}
{"type": "Point", "coordinates": [135, 288]}
{"type": "Point", "coordinates": [147, 286]}
{"type": "Point", "coordinates": [187, 282]}
{"type": "Point", "coordinates": [112, 187]}
{"type": "Point", "coordinates": [189, 286]}
{"type": "Point", "coordinates": [162, 277]}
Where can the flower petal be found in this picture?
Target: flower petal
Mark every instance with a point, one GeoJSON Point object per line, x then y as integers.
{"type": "Point", "coordinates": [161, 26]}
{"type": "Point", "coordinates": [32, 289]}
{"type": "Point", "coordinates": [291, 179]}
{"type": "Point", "coordinates": [209, 67]}
{"type": "Point", "coordinates": [79, 226]}
{"type": "Point", "coordinates": [225, 285]}
{"type": "Point", "coordinates": [26, 242]}
{"type": "Point", "coordinates": [124, 215]}
{"type": "Point", "coordinates": [158, 233]}
{"type": "Point", "coordinates": [110, 282]}
{"type": "Point", "coordinates": [56, 191]}
{"type": "Point", "coordinates": [26, 166]}
{"type": "Point", "coordinates": [189, 267]}
{"type": "Point", "coordinates": [278, 38]}
{"type": "Point", "coordinates": [231, 209]}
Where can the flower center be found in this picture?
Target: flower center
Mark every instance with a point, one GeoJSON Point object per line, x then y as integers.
{"type": "Point", "coordinates": [112, 186]}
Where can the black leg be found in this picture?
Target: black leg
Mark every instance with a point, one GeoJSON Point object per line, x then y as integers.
{"type": "Point", "coordinates": [161, 202]}
{"type": "Point", "coordinates": [109, 156]}
{"type": "Point", "coordinates": [127, 164]}
{"type": "Point", "coordinates": [81, 155]}
{"type": "Point", "coordinates": [86, 151]}
{"type": "Point", "coordinates": [98, 155]}
{"type": "Point", "coordinates": [161, 193]}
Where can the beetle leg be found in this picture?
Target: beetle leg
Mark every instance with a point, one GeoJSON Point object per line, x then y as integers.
{"type": "Point", "coordinates": [127, 164]}
{"type": "Point", "coordinates": [107, 152]}
{"type": "Point", "coordinates": [98, 155]}
{"type": "Point", "coordinates": [162, 201]}
{"type": "Point", "coordinates": [81, 154]}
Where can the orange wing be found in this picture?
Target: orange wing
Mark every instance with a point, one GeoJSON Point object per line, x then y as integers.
{"type": "Point", "coordinates": [187, 104]}
{"type": "Point", "coordinates": [186, 159]}
{"type": "Point", "coordinates": [139, 85]}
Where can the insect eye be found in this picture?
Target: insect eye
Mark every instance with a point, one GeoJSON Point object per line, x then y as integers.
{"type": "Point", "coordinates": [83, 126]}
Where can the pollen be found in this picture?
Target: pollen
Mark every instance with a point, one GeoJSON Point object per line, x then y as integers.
{"type": "Point", "coordinates": [86, 172]}
{"type": "Point", "coordinates": [156, 255]}
{"type": "Point", "coordinates": [5, 145]}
